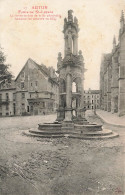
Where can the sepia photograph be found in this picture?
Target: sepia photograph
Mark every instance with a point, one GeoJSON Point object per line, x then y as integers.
{"type": "Point", "coordinates": [62, 97]}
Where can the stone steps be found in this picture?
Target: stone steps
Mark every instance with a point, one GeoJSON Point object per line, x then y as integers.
{"type": "Point", "coordinates": [94, 133]}
{"type": "Point", "coordinates": [113, 135]}
{"type": "Point", "coordinates": [44, 132]}
{"type": "Point", "coordinates": [89, 127]}
{"type": "Point", "coordinates": [27, 133]}
{"type": "Point", "coordinates": [105, 133]}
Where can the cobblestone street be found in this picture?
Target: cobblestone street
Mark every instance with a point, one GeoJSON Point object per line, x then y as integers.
{"type": "Point", "coordinates": [63, 166]}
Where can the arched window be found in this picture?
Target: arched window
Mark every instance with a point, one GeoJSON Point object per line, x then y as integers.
{"type": "Point", "coordinates": [62, 86]}
{"type": "Point", "coordinates": [74, 113]}
{"type": "Point", "coordinates": [74, 87]}
{"type": "Point", "coordinates": [74, 103]}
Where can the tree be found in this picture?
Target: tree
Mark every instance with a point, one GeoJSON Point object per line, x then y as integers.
{"type": "Point", "coordinates": [5, 74]}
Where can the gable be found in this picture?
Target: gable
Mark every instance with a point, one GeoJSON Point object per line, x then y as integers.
{"type": "Point", "coordinates": [30, 67]}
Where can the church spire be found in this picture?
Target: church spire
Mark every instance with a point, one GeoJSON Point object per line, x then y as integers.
{"type": "Point", "coordinates": [122, 16]}
{"type": "Point", "coordinates": [122, 21]}
{"type": "Point", "coordinates": [114, 42]}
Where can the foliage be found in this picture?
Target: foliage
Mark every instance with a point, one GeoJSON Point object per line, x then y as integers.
{"type": "Point", "coordinates": [5, 74]}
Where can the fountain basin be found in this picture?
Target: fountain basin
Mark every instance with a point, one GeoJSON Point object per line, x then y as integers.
{"type": "Point", "coordinates": [89, 131]}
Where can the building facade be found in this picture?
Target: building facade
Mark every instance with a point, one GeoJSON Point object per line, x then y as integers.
{"type": "Point", "coordinates": [7, 99]}
{"type": "Point", "coordinates": [92, 99]}
{"type": "Point", "coordinates": [112, 75]}
{"type": "Point", "coordinates": [34, 92]}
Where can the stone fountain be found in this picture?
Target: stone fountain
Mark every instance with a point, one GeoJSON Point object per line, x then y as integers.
{"type": "Point", "coordinates": [71, 121]}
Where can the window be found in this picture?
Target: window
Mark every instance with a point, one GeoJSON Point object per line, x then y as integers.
{"type": "Point", "coordinates": [31, 84]}
{"type": "Point", "coordinates": [28, 109]}
{"type": "Point", "coordinates": [7, 107]}
{"type": "Point", "coordinates": [36, 83]}
{"type": "Point", "coordinates": [92, 101]}
{"type": "Point", "coordinates": [22, 85]}
{"type": "Point", "coordinates": [43, 104]}
{"type": "Point", "coordinates": [30, 95]}
{"type": "Point", "coordinates": [0, 97]}
{"type": "Point", "coordinates": [14, 96]}
{"type": "Point", "coordinates": [23, 74]}
{"type": "Point", "coordinates": [14, 108]}
{"type": "Point", "coordinates": [31, 108]}
{"type": "Point", "coordinates": [7, 96]}
{"type": "Point", "coordinates": [74, 87]}
{"type": "Point", "coordinates": [23, 107]}
{"type": "Point", "coordinates": [23, 95]}
{"type": "Point", "coordinates": [50, 105]}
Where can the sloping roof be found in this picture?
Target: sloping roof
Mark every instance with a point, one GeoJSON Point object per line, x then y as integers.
{"type": "Point", "coordinates": [24, 67]}
{"type": "Point", "coordinates": [41, 67]}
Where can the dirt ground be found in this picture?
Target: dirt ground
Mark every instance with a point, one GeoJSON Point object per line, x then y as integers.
{"type": "Point", "coordinates": [63, 166]}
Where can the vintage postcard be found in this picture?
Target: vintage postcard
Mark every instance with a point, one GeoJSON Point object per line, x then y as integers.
{"type": "Point", "coordinates": [62, 97]}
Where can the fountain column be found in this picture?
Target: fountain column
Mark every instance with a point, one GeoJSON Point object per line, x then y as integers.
{"type": "Point", "coordinates": [68, 109]}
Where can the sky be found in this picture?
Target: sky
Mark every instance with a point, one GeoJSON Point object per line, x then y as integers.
{"type": "Point", "coordinates": [99, 21]}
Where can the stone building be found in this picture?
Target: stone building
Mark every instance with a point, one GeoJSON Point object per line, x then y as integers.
{"type": "Point", "coordinates": [7, 99]}
{"type": "Point", "coordinates": [112, 75]}
{"type": "Point", "coordinates": [92, 99]}
{"type": "Point", "coordinates": [35, 91]}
